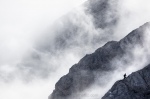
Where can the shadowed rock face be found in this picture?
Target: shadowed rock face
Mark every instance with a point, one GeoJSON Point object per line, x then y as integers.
{"type": "Point", "coordinates": [135, 86]}
{"type": "Point", "coordinates": [81, 75]}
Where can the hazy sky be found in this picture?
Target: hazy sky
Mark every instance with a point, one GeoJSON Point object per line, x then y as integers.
{"type": "Point", "coordinates": [21, 22]}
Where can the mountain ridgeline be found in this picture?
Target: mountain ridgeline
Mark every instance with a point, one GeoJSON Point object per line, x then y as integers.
{"type": "Point", "coordinates": [83, 74]}
{"type": "Point", "coordinates": [135, 86]}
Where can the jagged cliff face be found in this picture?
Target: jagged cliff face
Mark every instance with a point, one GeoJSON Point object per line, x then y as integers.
{"type": "Point", "coordinates": [83, 74]}
{"type": "Point", "coordinates": [135, 86]}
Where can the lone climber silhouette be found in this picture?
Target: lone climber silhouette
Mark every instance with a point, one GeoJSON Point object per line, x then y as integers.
{"type": "Point", "coordinates": [125, 76]}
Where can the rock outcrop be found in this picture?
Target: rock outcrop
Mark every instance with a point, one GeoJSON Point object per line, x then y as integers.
{"type": "Point", "coordinates": [82, 74]}
{"type": "Point", "coordinates": [135, 86]}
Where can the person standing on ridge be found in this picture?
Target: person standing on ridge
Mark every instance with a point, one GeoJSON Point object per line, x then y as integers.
{"type": "Point", "coordinates": [125, 76]}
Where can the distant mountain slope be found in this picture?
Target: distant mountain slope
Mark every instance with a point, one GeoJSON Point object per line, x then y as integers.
{"type": "Point", "coordinates": [135, 86]}
{"type": "Point", "coordinates": [82, 74]}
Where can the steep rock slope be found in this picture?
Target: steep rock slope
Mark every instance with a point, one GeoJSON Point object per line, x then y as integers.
{"type": "Point", "coordinates": [135, 86]}
{"type": "Point", "coordinates": [82, 74]}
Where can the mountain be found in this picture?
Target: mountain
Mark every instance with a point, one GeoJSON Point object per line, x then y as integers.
{"type": "Point", "coordinates": [83, 74]}
{"type": "Point", "coordinates": [135, 86]}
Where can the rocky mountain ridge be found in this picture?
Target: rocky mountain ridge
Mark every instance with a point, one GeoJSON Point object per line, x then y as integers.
{"type": "Point", "coordinates": [135, 86]}
{"type": "Point", "coordinates": [82, 74]}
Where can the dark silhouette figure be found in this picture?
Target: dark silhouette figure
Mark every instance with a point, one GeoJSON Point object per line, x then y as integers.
{"type": "Point", "coordinates": [125, 76]}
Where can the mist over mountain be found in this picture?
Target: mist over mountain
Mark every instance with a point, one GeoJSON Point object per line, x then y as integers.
{"type": "Point", "coordinates": [79, 32]}
{"type": "Point", "coordinates": [93, 69]}
{"type": "Point", "coordinates": [41, 41]}
{"type": "Point", "coordinates": [99, 66]}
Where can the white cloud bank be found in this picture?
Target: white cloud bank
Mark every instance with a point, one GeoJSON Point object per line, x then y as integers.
{"type": "Point", "coordinates": [21, 23]}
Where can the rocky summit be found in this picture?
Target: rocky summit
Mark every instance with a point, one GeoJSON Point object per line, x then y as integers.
{"type": "Point", "coordinates": [135, 86]}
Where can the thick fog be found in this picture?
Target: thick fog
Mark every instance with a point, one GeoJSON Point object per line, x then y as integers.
{"type": "Point", "coordinates": [21, 23]}
{"type": "Point", "coordinates": [41, 40]}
